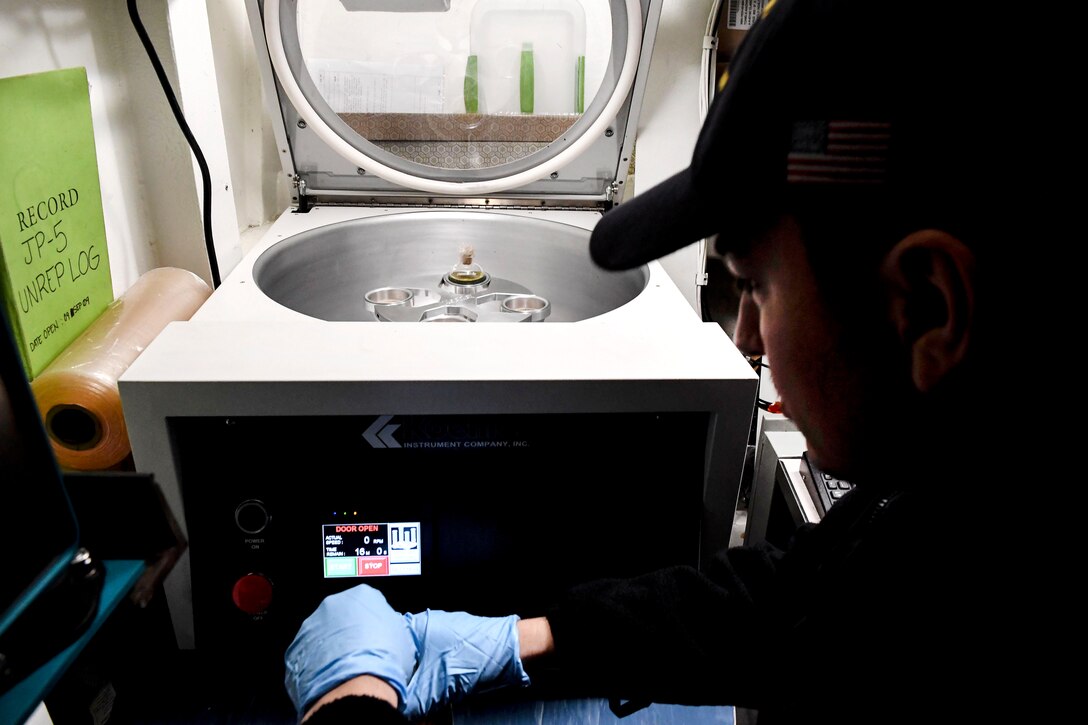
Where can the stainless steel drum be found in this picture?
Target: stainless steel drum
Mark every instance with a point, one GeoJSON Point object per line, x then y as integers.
{"type": "Point", "coordinates": [395, 268]}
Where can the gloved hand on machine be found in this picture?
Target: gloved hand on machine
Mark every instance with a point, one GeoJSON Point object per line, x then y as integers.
{"type": "Point", "coordinates": [430, 658]}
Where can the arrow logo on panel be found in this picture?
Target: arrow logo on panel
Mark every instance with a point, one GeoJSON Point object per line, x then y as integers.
{"type": "Point", "coordinates": [380, 435]}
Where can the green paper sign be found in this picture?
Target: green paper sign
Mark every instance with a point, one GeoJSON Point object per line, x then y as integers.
{"type": "Point", "coordinates": [54, 266]}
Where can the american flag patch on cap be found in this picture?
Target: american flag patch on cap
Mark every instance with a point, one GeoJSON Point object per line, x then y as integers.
{"type": "Point", "coordinates": [839, 152]}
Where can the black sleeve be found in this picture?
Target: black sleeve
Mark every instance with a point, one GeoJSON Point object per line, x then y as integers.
{"type": "Point", "coordinates": [357, 709]}
{"type": "Point", "coordinates": [672, 635]}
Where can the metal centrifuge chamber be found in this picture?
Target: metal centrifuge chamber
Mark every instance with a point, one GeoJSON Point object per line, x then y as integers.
{"type": "Point", "coordinates": [398, 268]}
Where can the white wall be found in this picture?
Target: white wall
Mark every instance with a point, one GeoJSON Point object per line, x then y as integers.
{"type": "Point", "coordinates": [149, 208]}
{"type": "Point", "coordinates": [151, 194]}
{"type": "Point", "coordinates": [261, 191]}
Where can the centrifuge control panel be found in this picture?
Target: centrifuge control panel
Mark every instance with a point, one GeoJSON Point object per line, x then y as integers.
{"type": "Point", "coordinates": [485, 513]}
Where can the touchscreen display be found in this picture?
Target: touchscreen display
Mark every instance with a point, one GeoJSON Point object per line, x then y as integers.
{"type": "Point", "coordinates": [371, 549]}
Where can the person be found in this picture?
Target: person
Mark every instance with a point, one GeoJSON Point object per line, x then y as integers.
{"type": "Point", "coordinates": [854, 171]}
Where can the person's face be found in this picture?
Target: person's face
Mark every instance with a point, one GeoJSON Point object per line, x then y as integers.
{"type": "Point", "coordinates": [822, 386]}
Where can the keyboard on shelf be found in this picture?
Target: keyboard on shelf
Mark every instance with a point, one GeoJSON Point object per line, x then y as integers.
{"type": "Point", "coordinates": [824, 488]}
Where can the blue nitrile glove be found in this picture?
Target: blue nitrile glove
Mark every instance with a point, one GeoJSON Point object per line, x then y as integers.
{"type": "Point", "coordinates": [352, 633]}
{"type": "Point", "coordinates": [461, 653]}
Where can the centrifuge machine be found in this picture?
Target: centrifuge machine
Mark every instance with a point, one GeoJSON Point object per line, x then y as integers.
{"type": "Point", "coordinates": [311, 425]}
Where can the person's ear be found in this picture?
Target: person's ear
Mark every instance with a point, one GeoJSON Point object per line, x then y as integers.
{"type": "Point", "coordinates": [931, 277]}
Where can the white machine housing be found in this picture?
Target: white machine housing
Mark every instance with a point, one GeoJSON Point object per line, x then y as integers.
{"type": "Point", "coordinates": [246, 357]}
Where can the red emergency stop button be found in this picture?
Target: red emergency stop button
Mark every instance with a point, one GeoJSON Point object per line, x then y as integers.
{"type": "Point", "coordinates": [252, 593]}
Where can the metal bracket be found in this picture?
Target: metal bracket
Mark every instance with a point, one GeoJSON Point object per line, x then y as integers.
{"type": "Point", "coordinates": [305, 203]}
{"type": "Point", "coordinates": [611, 191]}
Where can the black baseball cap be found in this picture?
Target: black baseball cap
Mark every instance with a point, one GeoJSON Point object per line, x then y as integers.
{"type": "Point", "coordinates": [857, 101]}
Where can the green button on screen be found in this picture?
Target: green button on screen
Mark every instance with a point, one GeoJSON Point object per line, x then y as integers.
{"type": "Point", "coordinates": [340, 566]}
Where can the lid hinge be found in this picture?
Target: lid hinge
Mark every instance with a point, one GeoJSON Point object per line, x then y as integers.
{"type": "Point", "coordinates": [307, 198]}
{"type": "Point", "coordinates": [611, 191]}
{"type": "Point", "coordinates": [305, 203]}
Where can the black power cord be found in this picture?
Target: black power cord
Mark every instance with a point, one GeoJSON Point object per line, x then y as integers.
{"type": "Point", "coordinates": [134, 15]}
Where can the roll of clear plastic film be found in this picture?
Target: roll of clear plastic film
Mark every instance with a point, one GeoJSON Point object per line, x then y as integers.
{"type": "Point", "coordinates": [78, 394]}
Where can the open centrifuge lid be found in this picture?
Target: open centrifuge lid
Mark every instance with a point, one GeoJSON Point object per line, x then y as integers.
{"type": "Point", "coordinates": [330, 159]}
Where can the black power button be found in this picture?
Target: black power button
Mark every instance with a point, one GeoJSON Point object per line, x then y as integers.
{"type": "Point", "coordinates": [251, 516]}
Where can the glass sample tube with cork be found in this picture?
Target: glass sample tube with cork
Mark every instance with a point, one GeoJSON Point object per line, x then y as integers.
{"type": "Point", "coordinates": [466, 271]}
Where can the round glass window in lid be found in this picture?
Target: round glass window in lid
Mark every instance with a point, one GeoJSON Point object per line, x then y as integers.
{"type": "Point", "coordinates": [476, 90]}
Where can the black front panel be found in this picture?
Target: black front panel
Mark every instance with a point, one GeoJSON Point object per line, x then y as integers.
{"type": "Point", "coordinates": [491, 514]}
